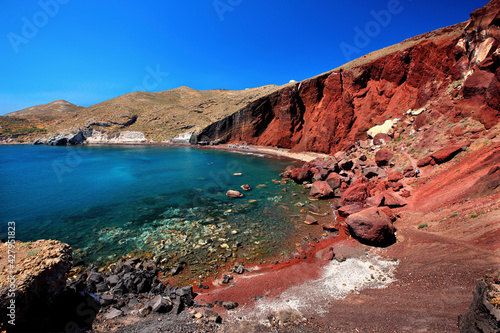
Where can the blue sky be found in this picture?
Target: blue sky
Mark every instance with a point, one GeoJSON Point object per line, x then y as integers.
{"type": "Point", "coordinates": [89, 51]}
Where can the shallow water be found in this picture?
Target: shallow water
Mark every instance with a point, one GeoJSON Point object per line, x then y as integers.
{"type": "Point", "coordinates": [166, 202]}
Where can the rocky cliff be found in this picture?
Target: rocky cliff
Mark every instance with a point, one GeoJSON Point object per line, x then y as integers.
{"type": "Point", "coordinates": [450, 73]}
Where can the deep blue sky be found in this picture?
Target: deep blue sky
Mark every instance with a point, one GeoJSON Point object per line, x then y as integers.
{"type": "Point", "coordinates": [88, 51]}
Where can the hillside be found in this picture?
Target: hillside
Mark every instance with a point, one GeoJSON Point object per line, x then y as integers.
{"type": "Point", "coordinates": [159, 115]}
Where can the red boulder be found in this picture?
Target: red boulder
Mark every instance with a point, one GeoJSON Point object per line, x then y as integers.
{"type": "Point", "coordinates": [320, 190]}
{"type": "Point", "coordinates": [395, 175]}
{"type": "Point", "coordinates": [383, 156]}
{"type": "Point", "coordinates": [446, 154]}
{"type": "Point", "coordinates": [393, 200]}
{"type": "Point", "coordinates": [356, 193]}
{"type": "Point", "coordinates": [345, 211]}
{"type": "Point", "coordinates": [372, 227]}
{"type": "Point", "coordinates": [334, 180]}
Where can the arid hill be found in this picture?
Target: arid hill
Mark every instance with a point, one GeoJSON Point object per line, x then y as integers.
{"type": "Point", "coordinates": [159, 115]}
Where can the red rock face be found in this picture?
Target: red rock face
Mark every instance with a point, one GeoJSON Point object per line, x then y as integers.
{"type": "Point", "coordinates": [325, 113]}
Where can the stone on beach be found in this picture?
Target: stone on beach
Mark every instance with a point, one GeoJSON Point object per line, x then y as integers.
{"type": "Point", "coordinates": [320, 190]}
{"type": "Point", "coordinates": [372, 227]}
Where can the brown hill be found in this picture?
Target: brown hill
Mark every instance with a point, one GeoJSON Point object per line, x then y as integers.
{"type": "Point", "coordinates": [159, 115]}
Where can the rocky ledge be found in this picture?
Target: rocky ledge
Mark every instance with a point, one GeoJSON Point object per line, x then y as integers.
{"type": "Point", "coordinates": [484, 313]}
{"type": "Point", "coordinates": [36, 296]}
{"type": "Point", "coordinates": [92, 136]}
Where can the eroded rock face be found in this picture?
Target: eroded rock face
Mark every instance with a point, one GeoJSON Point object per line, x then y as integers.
{"type": "Point", "coordinates": [372, 227]}
{"type": "Point", "coordinates": [323, 113]}
{"type": "Point", "coordinates": [40, 277]}
{"type": "Point", "coordinates": [483, 316]}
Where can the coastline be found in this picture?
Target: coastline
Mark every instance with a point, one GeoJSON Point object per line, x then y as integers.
{"type": "Point", "coordinates": [421, 279]}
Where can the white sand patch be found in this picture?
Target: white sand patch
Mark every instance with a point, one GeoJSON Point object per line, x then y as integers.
{"type": "Point", "coordinates": [337, 280]}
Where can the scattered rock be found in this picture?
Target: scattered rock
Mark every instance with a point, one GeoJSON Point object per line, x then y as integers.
{"type": "Point", "coordinates": [229, 305]}
{"type": "Point", "coordinates": [320, 190]}
{"type": "Point", "coordinates": [393, 200]}
{"type": "Point", "coordinates": [345, 211]}
{"type": "Point", "coordinates": [113, 313]}
{"type": "Point", "coordinates": [234, 194]}
{"type": "Point", "coordinates": [313, 209]}
{"type": "Point", "coordinates": [334, 180]}
{"type": "Point", "coordinates": [246, 187]}
{"type": "Point", "coordinates": [310, 220]}
{"type": "Point", "coordinates": [356, 193]}
{"type": "Point", "coordinates": [395, 176]}
{"type": "Point", "coordinates": [331, 227]}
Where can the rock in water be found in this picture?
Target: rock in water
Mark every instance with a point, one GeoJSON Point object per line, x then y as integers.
{"type": "Point", "coordinates": [234, 194]}
{"type": "Point", "coordinates": [372, 227]}
{"type": "Point", "coordinates": [246, 187]}
{"type": "Point", "coordinates": [310, 220]}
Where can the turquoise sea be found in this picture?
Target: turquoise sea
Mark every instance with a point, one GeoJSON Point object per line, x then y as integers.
{"type": "Point", "coordinates": [168, 202]}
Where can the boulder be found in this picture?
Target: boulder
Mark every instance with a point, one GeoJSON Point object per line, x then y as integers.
{"type": "Point", "coordinates": [334, 180]}
{"type": "Point", "coordinates": [424, 161]}
{"type": "Point", "coordinates": [356, 193]}
{"type": "Point", "coordinates": [246, 187]}
{"type": "Point", "coordinates": [320, 190]}
{"type": "Point", "coordinates": [319, 175]}
{"type": "Point", "coordinates": [390, 214]}
{"type": "Point", "coordinates": [383, 156]}
{"type": "Point", "coordinates": [161, 304]}
{"type": "Point", "coordinates": [234, 194]}
{"type": "Point", "coordinates": [310, 220]}
{"type": "Point", "coordinates": [446, 154]}
{"type": "Point", "coordinates": [385, 128]}
{"type": "Point", "coordinates": [331, 227]}
{"type": "Point", "coordinates": [346, 164]}
{"type": "Point", "coordinates": [374, 201]}
{"type": "Point", "coordinates": [372, 172]}
{"type": "Point", "coordinates": [381, 138]}
{"type": "Point", "coordinates": [371, 227]}
{"type": "Point", "coordinates": [313, 209]}
{"type": "Point", "coordinates": [395, 176]}
{"type": "Point", "coordinates": [300, 175]}
{"type": "Point", "coordinates": [345, 211]}
{"type": "Point", "coordinates": [393, 200]}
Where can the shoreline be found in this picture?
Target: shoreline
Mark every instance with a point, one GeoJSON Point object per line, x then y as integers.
{"type": "Point", "coordinates": [304, 156]}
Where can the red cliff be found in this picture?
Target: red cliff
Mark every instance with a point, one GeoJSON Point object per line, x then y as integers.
{"type": "Point", "coordinates": [451, 72]}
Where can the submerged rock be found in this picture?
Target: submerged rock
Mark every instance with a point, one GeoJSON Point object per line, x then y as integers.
{"type": "Point", "coordinates": [234, 194]}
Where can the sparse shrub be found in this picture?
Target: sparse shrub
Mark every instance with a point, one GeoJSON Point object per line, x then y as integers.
{"type": "Point", "coordinates": [473, 215]}
{"type": "Point", "coordinates": [431, 122]}
{"type": "Point", "coordinates": [422, 225]}
{"type": "Point", "coordinates": [398, 139]}
{"type": "Point", "coordinates": [454, 215]}
{"type": "Point", "coordinates": [32, 252]}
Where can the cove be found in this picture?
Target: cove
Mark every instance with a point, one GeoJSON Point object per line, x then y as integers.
{"type": "Point", "coordinates": [163, 202]}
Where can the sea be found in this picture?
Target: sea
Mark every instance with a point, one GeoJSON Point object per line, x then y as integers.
{"type": "Point", "coordinates": [161, 202]}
